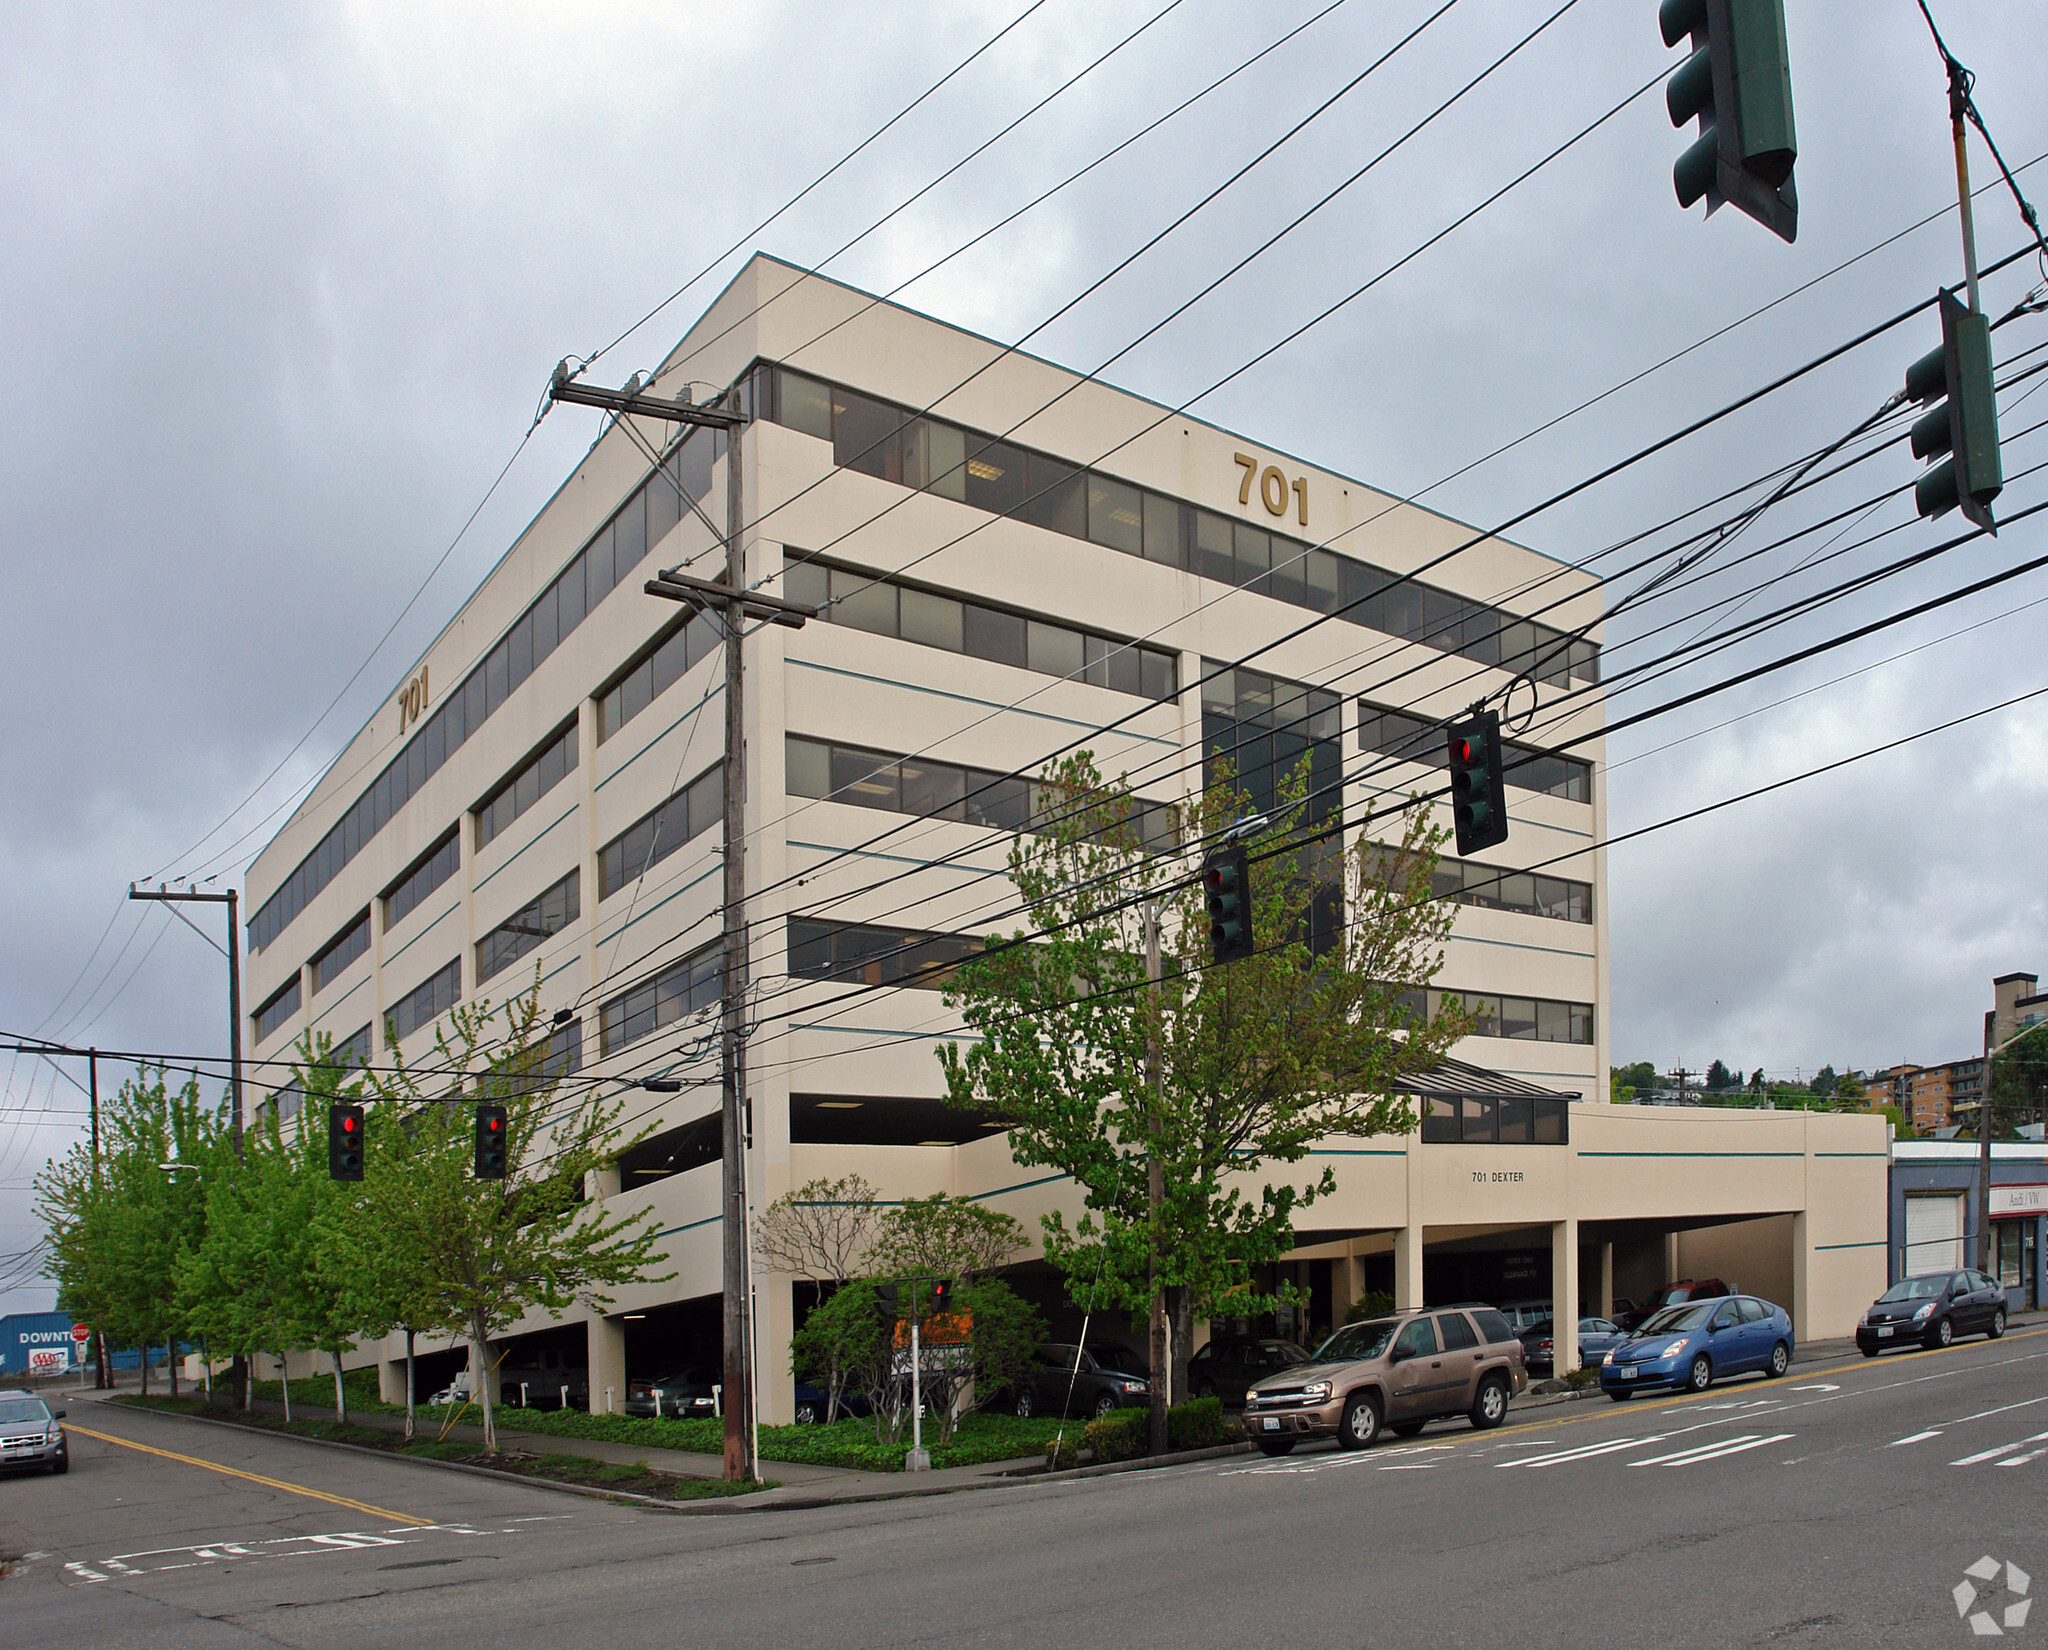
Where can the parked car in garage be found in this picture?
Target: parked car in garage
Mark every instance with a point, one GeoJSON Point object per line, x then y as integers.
{"type": "Point", "coordinates": [1671, 1294]}
{"type": "Point", "coordinates": [1597, 1337]}
{"type": "Point", "coordinates": [1230, 1363]}
{"type": "Point", "coordinates": [682, 1395]}
{"type": "Point", "coordinates": [1931, 1310]}
{"type": "Point", "coordinates": [1065, 1379]}
{"type": "Point", "coordinates": [1689, 1347]}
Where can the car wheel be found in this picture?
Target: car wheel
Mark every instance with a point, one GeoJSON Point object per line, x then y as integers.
{"type": "Point", "coordinates": [1781, 1360]}
{"type": "Point", "coordinates": [1105, 1406]}
{"type": "Point", "coordinates": [1360, 1427]}
{"type": "Point", "coordinates": [1997, 1324]}
{"type": "Point", "coordinates": [62, 1464]}
{"type": "Point", "coordinates": [1941, 1332]}
{"type": "Point", "coordinates": [1025, 1408]}
{"type": "Point", "coordinates": [1621, 1397]}
{"type": "Point", "coordinates": [1490, 1407]}
{"type": "Point", "coordinates": [1868, 1351]}
{"type": "Point", "coordinates": [807, 1414]}
{"type": "Point", "coordinates": [1701, 1375]}
{"type": "Point", "coordinates": [1206, 1390]}
{"type": "Point", "coordinates": [1275, 1446]}
{"type": "Point", "coordinates": [1407, 1429]}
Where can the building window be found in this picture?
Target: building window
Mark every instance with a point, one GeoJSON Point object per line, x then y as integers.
{"type": "Point", "coordinates": [1488, 1119]}
{"type": "Point", "coordinates": [917, 785]}
{"type": "Point", "coordinates": [540, 918]}
{"type": "Point", "coordinates": [538, 775]}
{"type": "Point", "coordinates": [1526, 1019]}
{"type": "Point", "coordinates": [342, 950]}
{"type": "Point", "coordinates": [607, 560]}
{"type": "Point", "coordinates": [422, 1005]}
{"type": "Point", "coordinates": [681, 989]}
{"type": "Point", "coordinates": [851, 952]}
{"type": "Point", "coordinates": [440, 863]}
{"type": "Point", "coordinates": [895, 444]}
{"type": "Point", "coordinates": [652, 838]}
{"type": "Point", "coordinates": [1411, 739]}
{"type": "Point", "coordinates": [861, 601]}
{"type": "Point", "coordinates": [1530, 894]}
{"type": "Point", "coordinates": [654, 673]}
{"type": "Point", "coordinates": [281, 1007]}
{"type": "Point", "coordinates": [1264, 728]}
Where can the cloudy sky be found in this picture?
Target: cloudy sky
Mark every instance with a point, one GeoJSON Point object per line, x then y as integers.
{"type": "Point", "coordinates": [283, 287]}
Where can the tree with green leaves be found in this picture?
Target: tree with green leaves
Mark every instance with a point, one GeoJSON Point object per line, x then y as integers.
{"type": "Point", "coordinates": [1823, 1083]}
{"type": "Point", "coordinates": [123, 1228]}
{"type": "Point", "coordinates": [1173, 1102]}
{"type": "Point", "coordinates": [490, 1251]}
{"type": "Point", "coordinates": [2018, 1082]}
{"type": "Point", "coordinates": [1719, 1078]}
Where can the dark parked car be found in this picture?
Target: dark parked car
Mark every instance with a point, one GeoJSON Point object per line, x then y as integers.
{"type": "Point", "coordinates": [1671, 1294]}
{"type": "Point", "coordinates": [1228, 1365]}
{"type": "Point", "coordinates": [1692, 1346]}
{"type": "Point", "coordinates": [686, 1393]}
{"type": "Point", "coordinates": [1066, 1380]}
{"type": "Point", "coordinates": [1932, 1310]}
{"type": "Point", "coordinates": [811, 1400]}
{"type": "Point", "coordinates": [1597, 1337]}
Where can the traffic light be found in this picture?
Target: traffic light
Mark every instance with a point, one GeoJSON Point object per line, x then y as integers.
{"type": "Point", "coordinates": [490, 1142]}
{"type": "Point", "coordinates": [1964, 425]}
{"type": "Point", "coordinates": [1227, 877]}
{"type": "Point", "coordinates": [1478, 798]}
{"type": "Point", "coordinates": [939, 1297]}
{"type": "Point", "coordinates": [1738, 84]}
{"type": "Point", "coordinates": [344, 1142]}
{"type": "Point", "coordinates": [886, 1299]}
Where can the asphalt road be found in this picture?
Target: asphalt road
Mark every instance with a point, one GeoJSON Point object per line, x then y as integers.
{"type": "Point", "coordinates": [1842, 1505]}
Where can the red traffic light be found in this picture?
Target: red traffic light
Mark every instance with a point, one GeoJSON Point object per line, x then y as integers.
{"type": "Point", "coordinates": [494, 1124]}
{"type": "Point", "coordinates": [348, 1125]}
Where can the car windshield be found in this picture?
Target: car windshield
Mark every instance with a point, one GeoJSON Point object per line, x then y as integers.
{"type": "Point", "coordinates": [1122, 1362]}
{"type": "Point", "coordinates": [1674, 1320]}
{"type": "Point", "coordinates": [14, 1411]}
{"type": "Point", "coordinates": [1540, 1327]}
{"type": "Point", "coordinates": [1357, 1340]}
{"type": "Point", "coordinates": [1289, 1353]}
{"type": "Point", "coordinates": [1916, 1289]}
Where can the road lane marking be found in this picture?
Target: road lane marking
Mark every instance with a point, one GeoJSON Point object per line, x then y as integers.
{"type": "Point", "coordinates": [255, 1478]}
{"type": "Point", "coordinates": [1939, 1427]}
{"type": "Point", "coordinates": [1713, 1451]}
{"type": "Point", "coordinates": [1912, 1438]}
{"type": "Point", "coordinates": [89, 1576]}
{"type": "Point", "coordinates": [1582, 1453]}
{"type": "Point", "coordinates": [2022, 1460]}
{"type": "Point", "coordinates": [2002, 1449]}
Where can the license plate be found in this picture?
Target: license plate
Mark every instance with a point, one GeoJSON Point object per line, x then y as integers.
{"type": "Point", "coordinates": [1626, 1371]}
{"type": "Point", "coordinates": [1272, 1423]}
{"type": "Point", "coordinates": [1884, 1331]}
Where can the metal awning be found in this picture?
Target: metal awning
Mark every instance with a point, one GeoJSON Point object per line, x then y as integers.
{"type": "Point", "coordinates": [1455, 1080]}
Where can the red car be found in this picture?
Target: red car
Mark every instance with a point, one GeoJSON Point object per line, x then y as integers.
{"type": "Point", "coordinates": [1673, 1294]}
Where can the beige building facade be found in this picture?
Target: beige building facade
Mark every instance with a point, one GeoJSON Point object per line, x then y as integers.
{"type": "Point", "coordinates": [1010, 560]}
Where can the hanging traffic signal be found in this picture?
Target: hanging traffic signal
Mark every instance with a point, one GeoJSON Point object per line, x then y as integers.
{"type": "Point", "coordinates": [1964, 426]}
{"type": "Point", "coordinates": [344, 1142]}
{"type": "Point", "coordinates": [886, 1301]}
{"type": "Point", "coordinates": [939, 1297]}
{"type": "Point", "coordinates": [490, 1142]}
{"type": "Point", "coordinates": [1227, 878]}
{"type": "Point", "coordinates": [1738, 85]}
{"type": "Point", "coordinates": [1479, 808]}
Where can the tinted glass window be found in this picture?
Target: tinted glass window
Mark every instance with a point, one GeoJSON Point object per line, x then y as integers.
{"type": "Point", "coordinates": [1418, 1339]}
{"type": "Point", "coordinates": [1753, 1311]}
{"type": "Point", "coordinates": [1492, 1326]}
{"type": "Point", "coordinates": [1456, 1332]}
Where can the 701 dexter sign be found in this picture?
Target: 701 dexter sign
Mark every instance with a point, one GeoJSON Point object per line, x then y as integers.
{"type": "Point", "coordinates": [1274, 488]}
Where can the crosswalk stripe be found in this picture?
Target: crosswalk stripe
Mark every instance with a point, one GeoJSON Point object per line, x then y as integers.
{"type": "Point", "coordinates": [2003, 1449]}
{"type": "Point", "coordinates": [2022, 1460]}
{"type": "Point", "coordinates": [1713, 1452]}
{"type": "Point", "coordinates": [1582, 1453]}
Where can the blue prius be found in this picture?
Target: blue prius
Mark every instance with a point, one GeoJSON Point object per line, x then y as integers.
{"type": "Point", "coordinates": [1690, 1346]}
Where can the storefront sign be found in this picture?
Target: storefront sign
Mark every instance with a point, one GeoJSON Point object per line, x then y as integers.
{"type": "Point", "coordinates": [2019, 1200]}
{"type": "Point", "coordinates": [49, 1360]}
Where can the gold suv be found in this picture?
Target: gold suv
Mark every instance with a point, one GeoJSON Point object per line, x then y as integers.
{"type": "Point", "coordinates": [1400, 1372]}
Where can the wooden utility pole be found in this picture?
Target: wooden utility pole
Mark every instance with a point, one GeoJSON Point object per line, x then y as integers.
{"type": "Point", "coordinates": [737, 1372]}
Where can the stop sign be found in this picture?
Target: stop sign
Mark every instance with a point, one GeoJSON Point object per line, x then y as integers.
{"type": "Point", "coordinates": [81, 1333]}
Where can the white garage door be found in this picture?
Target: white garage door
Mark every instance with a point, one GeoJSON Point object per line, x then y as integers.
{"type": "Point", "coordinates": [1934, 1233]}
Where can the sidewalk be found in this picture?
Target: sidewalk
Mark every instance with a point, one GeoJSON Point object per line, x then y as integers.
{"type": "Point", "coordinates": [799, 1483]}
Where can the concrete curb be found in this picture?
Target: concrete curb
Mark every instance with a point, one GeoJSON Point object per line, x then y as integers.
{"type": "Point", "coordinates": [586, 1490]}
{"type": "Point", "coordinates": [1102, 1469]}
